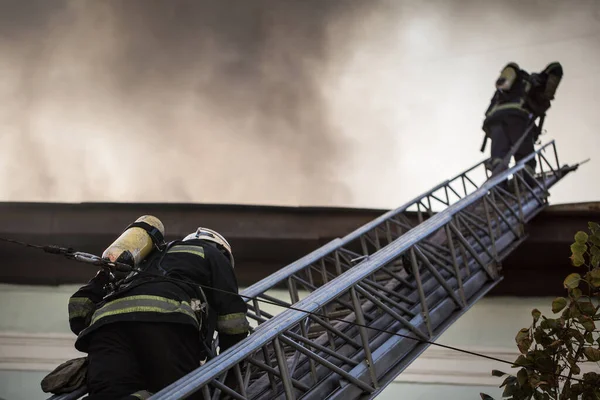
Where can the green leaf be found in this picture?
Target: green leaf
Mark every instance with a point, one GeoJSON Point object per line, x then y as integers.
{"type": "Point", "coordinates": [523, 340]}
{"type": "Point", "coordinates": [587, 323]}
{"type": "Point", "coordinates": [558, 304]}
{"type": "Point", "coordinates": [595, 260]}
{"type": "Point", "coordinates": [521, 361]}
{"type": "Point", "coordinates": [546, 363]}
{"type": "Point", "coordinates": [576, 293]}
{"type": "Point", "coordinates": [574, 333]}
{"type": "Point", "coordinates": [589, 337]}
{"type": "Point", "coordinates": [592, 354]}
{"type": "Point", "coordinates": [593, 227]}
{"type": "Point", "coordinates": [581, 237]}
{"type": "Point", "coordinates": [578, 248]}
{"type": "Point", "coordinates": [595, 277]}
{"type": "Point", "coordinates": [587, 308]}
{"type": "Point", "coordinates": [522, 377]}
{"type": "Point", "coordinates": [485, 396]}
{"type": "Point", "coordinates": [534, 379]}
{"type": "Point", "coordinates": [541, 337]}
{"type": "Point", "coordinates": [510, 380]}
{"type": "Point", "coordinates": [572, 281]}
{"type": "Point", "coordinates": [574, 311]}
{"type": "Point", "coordinates": [495, 372]}
{"type": "Point", "coordinates": [509, 390]}
{"type": "Point", "coordinates": [548, 323]}
{"type": "Point", "coordinates": [577, 260]}
{"type": "Point", "coordinates": [592, 378]}
{"type": "Point", "coordinates": [595, 240]}
{"type": "Point", "coordinates": [536, 314]}
{"type": "Point", "coordinates": [576, 390]}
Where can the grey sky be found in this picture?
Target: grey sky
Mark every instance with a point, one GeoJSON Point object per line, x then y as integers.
{"type": "Point", "coordinates": [358, 103]}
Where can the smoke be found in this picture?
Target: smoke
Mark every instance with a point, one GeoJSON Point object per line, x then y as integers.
{"type": "Point", "coordinates": [191, 101]}
{"type": "Point", "coordinates": [413, 95]}
{"type": "Point", "coordinates": [361, 103]}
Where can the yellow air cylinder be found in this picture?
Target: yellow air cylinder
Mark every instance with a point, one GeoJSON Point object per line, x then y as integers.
{"type": "Point", "coordinates": [508, 76]}
{"type": "Point", "coordinates": [136, 242]}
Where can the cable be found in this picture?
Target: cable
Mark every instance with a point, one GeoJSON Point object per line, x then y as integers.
{"type": "Point", "coordinates": [21, 243]}
{"type": "Point", "coordinates": [90, 258]}
{"type": "Point", "coordinates": [48, 249]}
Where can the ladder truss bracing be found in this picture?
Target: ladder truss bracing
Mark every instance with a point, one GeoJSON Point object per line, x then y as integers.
{"type": "Point", "coordinates": [379, 295]}
{"type": "Point", "coordinates": [338, 256]}
{"type": "Point", "coordinates": [420, 291]}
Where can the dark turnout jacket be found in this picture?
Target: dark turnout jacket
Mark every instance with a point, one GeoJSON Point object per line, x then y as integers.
{"type": "Point", "coordinates": [152, 297]}
{"type": "Point", "coordinates": [521, 94]}
{"type": "Point", "coordinates": [510, 101]}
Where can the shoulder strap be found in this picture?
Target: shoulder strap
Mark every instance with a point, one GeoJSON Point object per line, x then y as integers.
{"type": "Point", "coordinates": [156, 235]}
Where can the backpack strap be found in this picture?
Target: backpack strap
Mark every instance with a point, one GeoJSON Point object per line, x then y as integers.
{"type": "Point", "coordinates": [155, 234]}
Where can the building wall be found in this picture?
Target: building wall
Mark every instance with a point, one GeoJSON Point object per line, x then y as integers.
{"type": "Point", "coordinates": [35, 337]}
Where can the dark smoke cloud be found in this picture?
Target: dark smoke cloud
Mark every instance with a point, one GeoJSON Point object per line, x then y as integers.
{"type": "Point", "coordinates": [201, 101]}
{"type": "Point", "coordinates": [356, 102]}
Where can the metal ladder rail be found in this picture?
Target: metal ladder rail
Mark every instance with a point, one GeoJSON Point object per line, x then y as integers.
{"type": "Point", "coordinates": [277, 330]}
{"type": "Point", "coordinates": [341, 254]}
{"type": "Point", "coordinates": [324, 254]}
{"type": "Point", "coordinates": [302, 370]}
{"type": "Point", "coordinates": [422, 204]}
{"type": "Point", "coordinates": [327, 379]}
{"type": "Point", "coordinates": [324, 377]}
{"type": "Point", "coordinates": [338, 255]}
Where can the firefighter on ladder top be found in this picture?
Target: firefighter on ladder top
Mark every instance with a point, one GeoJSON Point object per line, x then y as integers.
{"type": "Point", "coordinates": [519, 100]}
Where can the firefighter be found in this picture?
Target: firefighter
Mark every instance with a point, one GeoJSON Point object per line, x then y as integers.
{"type": "Point", "coordinates": [507, 117]}
{"type": "Point", "coordinates": [520, 98]}
{"type": "Point", "coordinates": [152, 330]}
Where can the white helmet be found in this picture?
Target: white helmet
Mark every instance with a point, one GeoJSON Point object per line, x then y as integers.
{"type": "Point", "coordinates": [212, 236]}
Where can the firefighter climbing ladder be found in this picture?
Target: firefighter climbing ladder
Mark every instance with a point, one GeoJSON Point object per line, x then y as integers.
{"type": "Point", "coordinates": [375, 295]}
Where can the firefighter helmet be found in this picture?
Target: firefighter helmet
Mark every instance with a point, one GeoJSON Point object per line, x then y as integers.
{"type": "Point", "coordinates": [215, 237]}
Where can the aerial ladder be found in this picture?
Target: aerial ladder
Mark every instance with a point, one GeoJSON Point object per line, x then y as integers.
{"type": "Point", "coordinates": [375, 299]}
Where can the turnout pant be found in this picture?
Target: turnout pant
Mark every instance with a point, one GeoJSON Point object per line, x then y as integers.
{"type": "Point", "coordinates": [129, 359]}
{"type": "Point", "coordinates": [505, 133]}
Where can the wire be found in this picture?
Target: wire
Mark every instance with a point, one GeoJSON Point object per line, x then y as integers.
{"type": "Point", "coordinates": [21, 243]}
{"type": "Point", "coordinates": [69, 252]}
{"type": "Point", "coordinates": [88, 258]}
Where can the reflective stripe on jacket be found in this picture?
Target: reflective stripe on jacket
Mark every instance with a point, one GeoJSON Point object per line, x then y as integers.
{"type": "Point", "coordinates": [510, 98]}
{"type": "Point", "coordinates": [80, 307]}
{"type": "Point", "coordinates": [194, 250]}
{"type": "Point", "coordinates": [155, 297]}
{"type": "Point", "coordinates": [143, 304]}
{"type": "Point", "coordinates": [232, 324]}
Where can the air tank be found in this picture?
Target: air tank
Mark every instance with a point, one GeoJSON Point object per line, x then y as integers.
{"type": "Point", "coordinates": [136, 242]}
